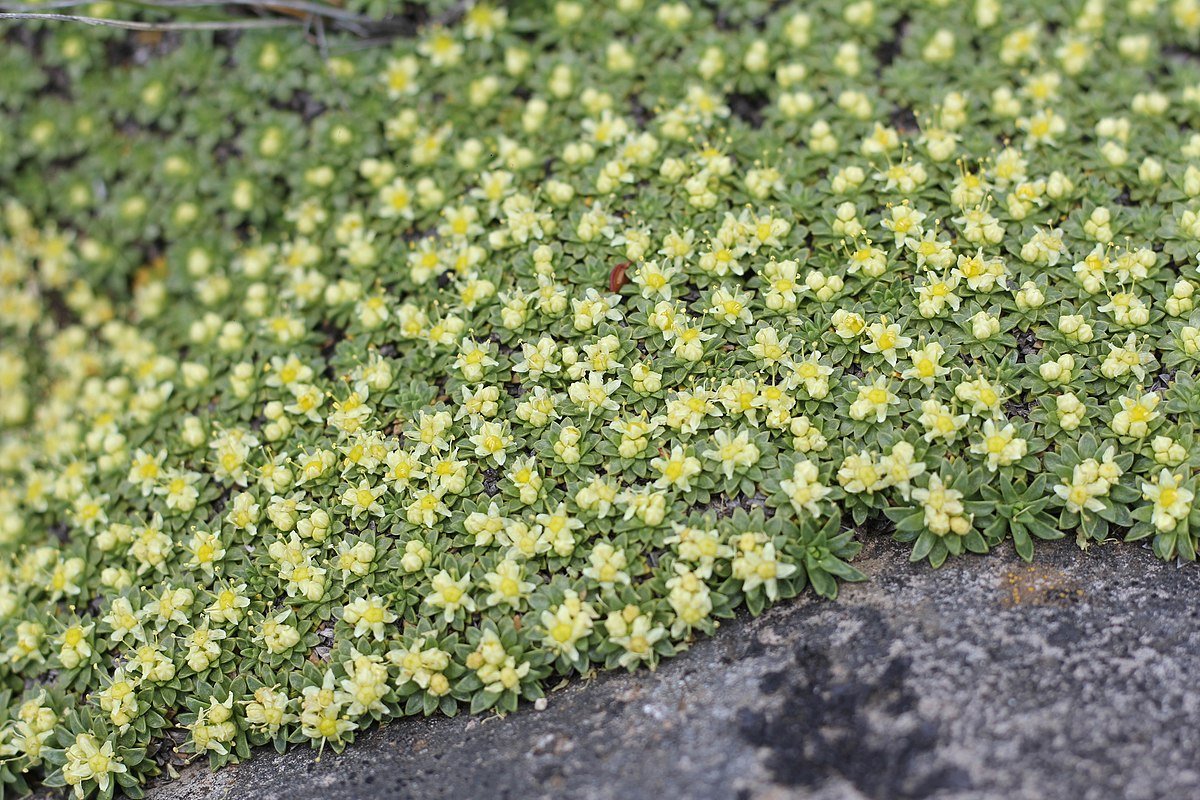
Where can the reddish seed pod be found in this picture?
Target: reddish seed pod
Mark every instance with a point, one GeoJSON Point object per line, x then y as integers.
{"type": "Point", "coordinates": [616, 278]}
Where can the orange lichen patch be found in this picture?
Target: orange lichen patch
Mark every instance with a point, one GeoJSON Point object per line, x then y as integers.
{"type": "Point", "coordinates": [1037, 585]}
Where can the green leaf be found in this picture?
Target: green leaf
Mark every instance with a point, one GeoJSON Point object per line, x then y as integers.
{"type": "Point", "coordinates": [974, 542]}
{"type": "Point", "coordinates": [1022, 543]}
{"type": "Point", "coordinates": [925, 544]}
{"type": "Point", "coordinates": [823, 584]}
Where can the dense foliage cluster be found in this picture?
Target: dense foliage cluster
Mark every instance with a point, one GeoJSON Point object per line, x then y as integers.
{"type": "Point", "coordinates": [389, 379]}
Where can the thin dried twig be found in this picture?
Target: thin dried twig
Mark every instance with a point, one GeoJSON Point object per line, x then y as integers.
{"type": "Point", "coordinates": [298, 6]}
{"type": "Point", "coordinates": [321, 43]}
{"type": "Point", "coordinates": [213, 25]}
{"type": "Point", "coordinates": [301, 6]}
{"type": "Point", "coordinates": [21, 8]}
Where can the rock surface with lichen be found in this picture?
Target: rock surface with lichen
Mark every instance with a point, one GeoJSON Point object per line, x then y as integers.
{"type": "Point", "coordinates": [1068, 677]}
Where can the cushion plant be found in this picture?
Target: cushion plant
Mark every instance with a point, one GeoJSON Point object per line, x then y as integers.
{"type": "Point", "coordinates": [344, 379]}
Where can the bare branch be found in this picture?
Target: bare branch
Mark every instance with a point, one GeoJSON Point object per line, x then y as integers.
{"type": "Point", "coordinates": [299, 6]}
{"type": "Point", "coordinates": [302, 6]}
{"type": "Point", "coordinates": [214, 25]}
{"type": "Point", "coordinates": [22, 8]}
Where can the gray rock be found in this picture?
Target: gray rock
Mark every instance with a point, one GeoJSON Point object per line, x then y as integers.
{"type": "Point", "coordinates": [990, 678]}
